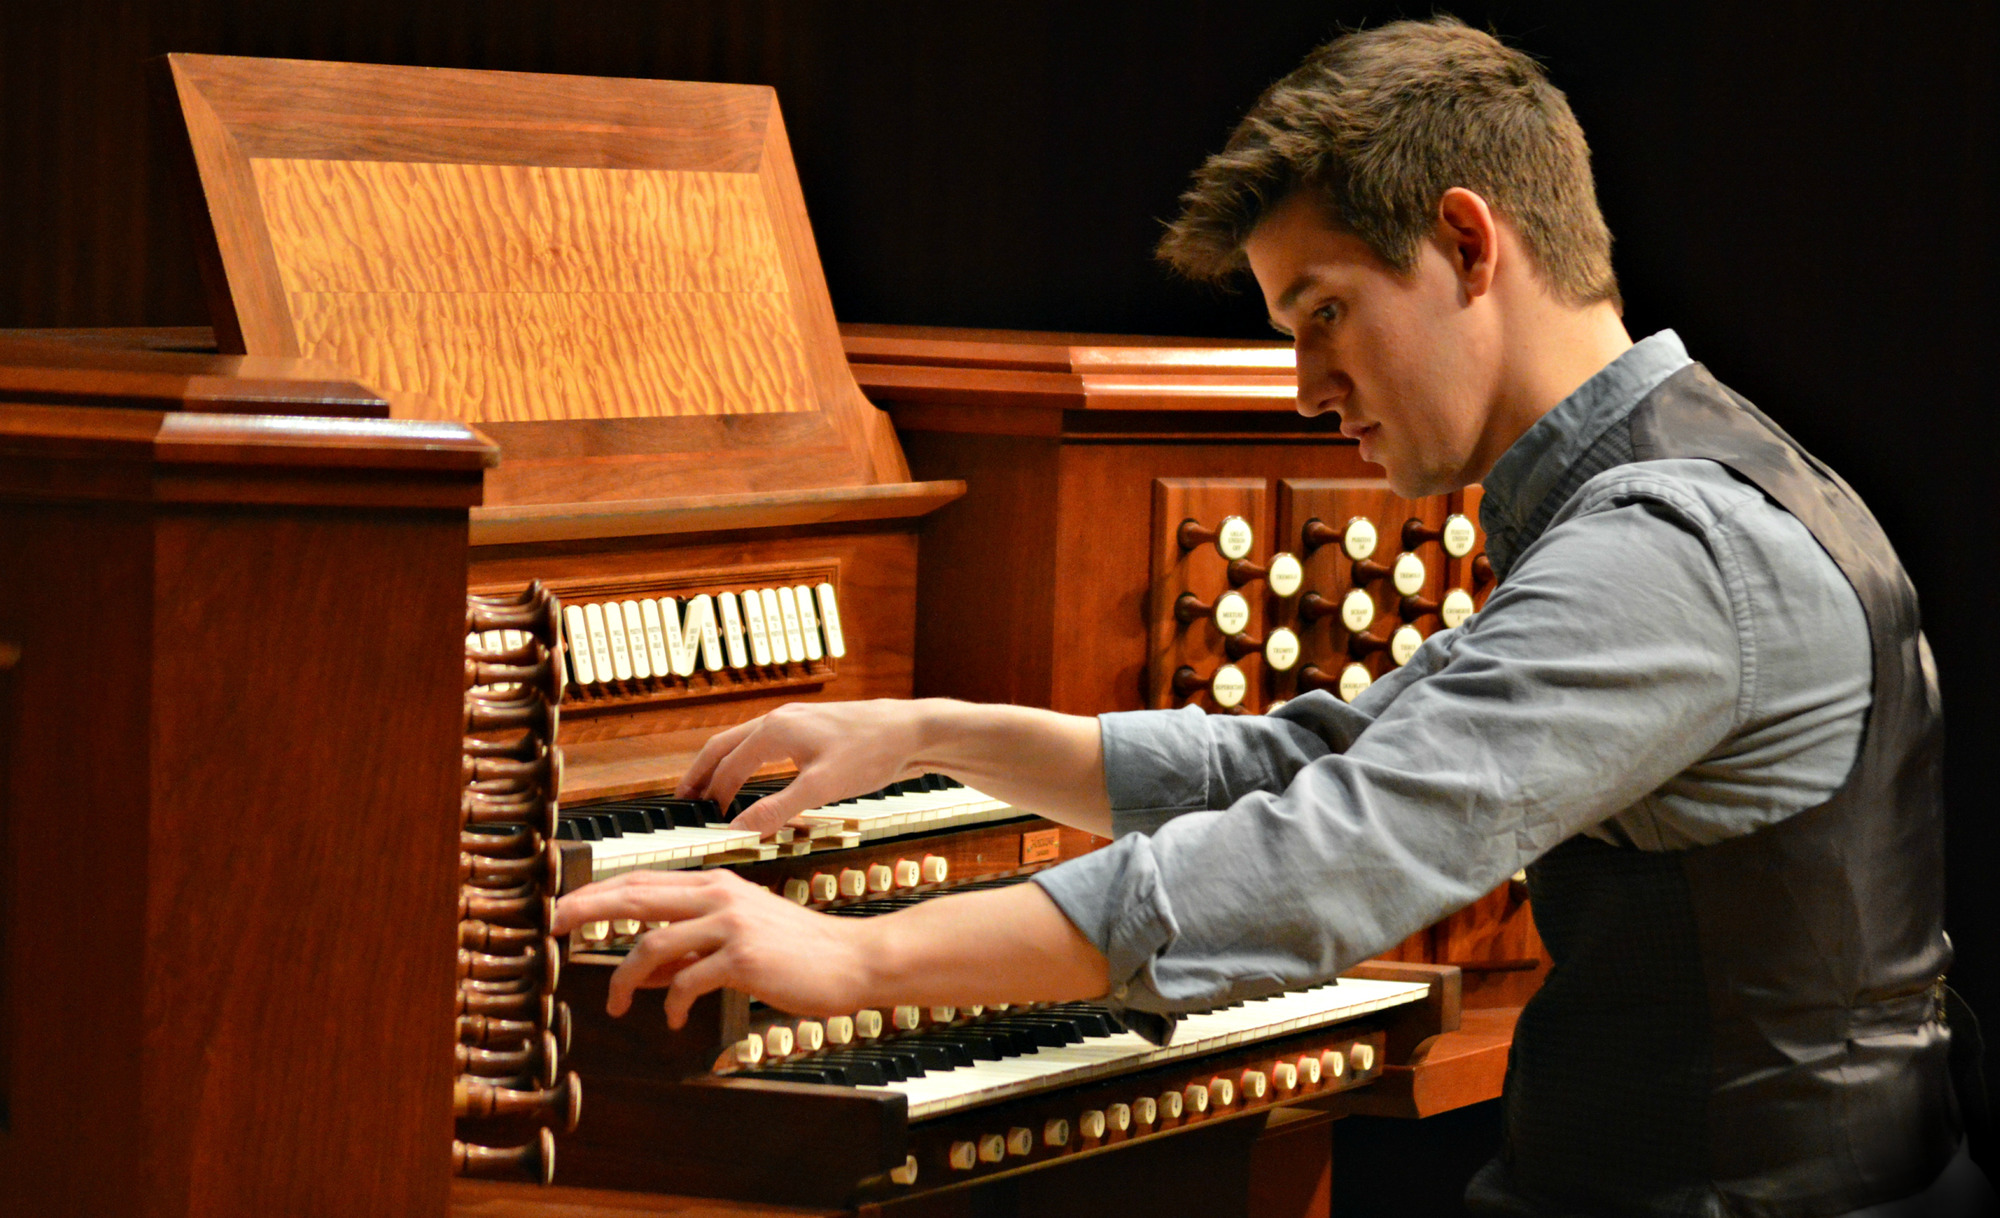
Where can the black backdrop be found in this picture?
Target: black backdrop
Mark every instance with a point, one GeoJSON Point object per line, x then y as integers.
{"type": "Point", "coordinates": [1806, 191]}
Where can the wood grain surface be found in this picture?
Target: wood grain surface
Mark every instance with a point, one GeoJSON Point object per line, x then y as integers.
{"type": "Point", "coordinates": [522, 292]}
{"type": "Point", "coordinates": [532, 251]}
{"type": "Point", "coordinates": [224, 693]}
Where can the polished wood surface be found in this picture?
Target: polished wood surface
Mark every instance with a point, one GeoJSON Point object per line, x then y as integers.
{"type": "Point", "coordinates": [1461, 1067]}
{"type": "Point", "coordinates": [490, 1199]}
{"type": "Point", "coordinates": [612, 273]}
{"type": "Point", "coordinates": [236, 643]}
{"type": "Point", "coordinates": [82, 368]}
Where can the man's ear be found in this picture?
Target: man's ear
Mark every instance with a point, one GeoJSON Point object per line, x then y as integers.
{"type": "Point", "coordinates": [1470, 236]}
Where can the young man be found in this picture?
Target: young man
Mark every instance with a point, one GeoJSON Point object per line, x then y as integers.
{"type": "Point", "coordinates": [1697, 707]}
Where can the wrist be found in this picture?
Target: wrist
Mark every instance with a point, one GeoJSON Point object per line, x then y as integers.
{"type": "Point", "coordinates": [937, 723]}
{"type": "Point", "coordinates": [878, 964]}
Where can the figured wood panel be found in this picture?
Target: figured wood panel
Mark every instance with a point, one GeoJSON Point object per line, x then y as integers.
{"type": "Point", "coordinates": [519, 292]}
{"type": "Point", "coordinates": [520, 249]}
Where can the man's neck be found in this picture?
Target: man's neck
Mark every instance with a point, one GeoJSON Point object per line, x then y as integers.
{"type": "Point", "coordinates": [1551, 349]}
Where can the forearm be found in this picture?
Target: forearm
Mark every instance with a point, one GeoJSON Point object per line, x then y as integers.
{"type": "Point", "coordinates": [1007, 945]}
{"type": "Point", "coordinates": [1037, 760]}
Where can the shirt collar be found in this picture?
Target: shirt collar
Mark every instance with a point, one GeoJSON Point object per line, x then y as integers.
{"type": "Point", "coordinates": [1526, 473]}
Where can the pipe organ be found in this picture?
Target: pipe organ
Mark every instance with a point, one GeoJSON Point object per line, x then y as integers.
{"type": "Point", "coordinates": [699, 516]}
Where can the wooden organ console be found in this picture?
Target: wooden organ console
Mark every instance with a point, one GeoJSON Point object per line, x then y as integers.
{"type": "Point", "coordinates": [699, 516]}
{"type": "Point", "coordinates": [1175, 532]}
{"type": "Point", "coordinates": [231, 598]}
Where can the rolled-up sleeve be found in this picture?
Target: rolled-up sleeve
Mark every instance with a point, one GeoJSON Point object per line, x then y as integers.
{"type": "Point", "coordinates": [1260, 853]}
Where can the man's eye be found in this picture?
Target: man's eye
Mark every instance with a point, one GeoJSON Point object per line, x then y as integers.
{"type": "Point", "coordinates": [1325, 314]}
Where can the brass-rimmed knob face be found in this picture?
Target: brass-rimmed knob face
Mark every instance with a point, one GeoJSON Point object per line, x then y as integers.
{"type": "Point", "coordinates": [1357, 610]}
{"type": "Point", "coordinates": [1287, 575]}
{"type": "Point", "coordinates": [1408, 574]}
{"type": "Point", "coordinates": [1234, 537]}
{"type": "Point", "coordinates": [1456, 608]}
{"type": "Point", "coordinates": [1353, 680]}
{"type": "Point", "coordinates": [1359, 539]}
{"type": "Point", "coordinates": [1228, 686]}
{"type": "Point", "coordinates": [1281, 650]}
{"type": "Point", "coordinates": [1232, 613]}
{"type": "Point", "coordinates": [1459, 536]}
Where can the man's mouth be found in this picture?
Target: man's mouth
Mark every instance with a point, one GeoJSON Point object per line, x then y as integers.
{"type": "Point", "coordinates": [1355, 431]}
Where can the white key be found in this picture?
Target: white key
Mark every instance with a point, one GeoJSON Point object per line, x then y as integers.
{"type": "Point", "coordinates": [682, 648]}
{"type": "Point", "coordinates": [577, 645]}
{"type": "Point", "coordinates": [829, 618]}
{"type": "Point", "coordinates": [635, 639]}
{"type": "Point", "coordinates": [732, 632]}
{"type": "Point", "coordinates": [656, 637]}
{"type": "Point", "coordinates": [808, 622]}
{"type": "Point", "coordinates": [774, 626]}
{"type": "Point", "coordinates": [701, 612]}
{"type": "Point", "coordinates": [753, 625]}
{"type": "Point", "coordinates": [788, 608]}
{"type": "Point", "coordinates": [614, 631]}
{"type": "Point", "coordinates": [600, 644]}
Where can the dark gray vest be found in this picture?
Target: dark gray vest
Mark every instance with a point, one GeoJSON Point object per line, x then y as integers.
{"type": "Point", "coordinates": [1752, 1028]}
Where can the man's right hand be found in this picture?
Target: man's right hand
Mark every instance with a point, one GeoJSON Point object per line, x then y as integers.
{"type": "Point", "coordinates": [1037, 760]}
{"type": "Point", "coordinates": [841, 749]}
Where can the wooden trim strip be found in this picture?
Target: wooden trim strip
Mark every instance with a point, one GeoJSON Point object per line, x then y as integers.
{"type": "Point", "coordinates": [709, 513]}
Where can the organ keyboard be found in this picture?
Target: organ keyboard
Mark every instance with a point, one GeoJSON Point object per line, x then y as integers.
{"type": "Point", "coordinates": [722, 524]}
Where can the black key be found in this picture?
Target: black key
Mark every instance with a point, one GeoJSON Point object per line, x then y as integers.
{"type": "Point", "coordinates": [1091, 1021]}
{"type": "Point", "coordinates": [795, 1074]}
{"type": "Point", "coordinates": [859, 1071]}
{"type": "Point", "coordinates": [999, 1041]}
{"type": "Point", "coordinates": [913, 1060]}
{"type": "Point", "coordinates": [935, 1055]}
{"type": "Point", "coordinates": [633, 820]}
{"type": "Point", "coordinates": [566, 830]}
{"type": "Point", "coordinates": [980, 1048]}
{"type": "Point", "coordinates": [691, 813]}
{"type": "Point", "coordinates": [895, 1066]}
{"type": "Point", "coordinates": [1048, 1033]}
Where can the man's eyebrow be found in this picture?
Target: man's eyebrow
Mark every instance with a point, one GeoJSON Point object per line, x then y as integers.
{"type": "Point", "coordinates": [1296, 289]}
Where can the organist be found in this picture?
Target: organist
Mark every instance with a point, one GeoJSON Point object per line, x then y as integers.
{"type": "Point", "coordinates": [1698, 708]}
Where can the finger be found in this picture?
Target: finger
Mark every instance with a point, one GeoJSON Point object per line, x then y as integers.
{"type": "Point", "coordinates": [659, 952]}
{"type": "Point", "coordinates": [711, 972]}
{"type": "Point", "coordinates": [717, 747]}
{"type": "Point", "coordinates": [761, 746]}
{"type": "Point", "coordinates": [779, 807]}
{"type": "Point", "coordinates": [672, 898]}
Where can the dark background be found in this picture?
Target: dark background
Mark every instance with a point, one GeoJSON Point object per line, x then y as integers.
{"type": "Point", "coordinates": [1805, 191]}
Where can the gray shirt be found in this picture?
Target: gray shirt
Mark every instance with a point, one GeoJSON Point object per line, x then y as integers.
{"type": "Point", "coordinates": [1668, 660]}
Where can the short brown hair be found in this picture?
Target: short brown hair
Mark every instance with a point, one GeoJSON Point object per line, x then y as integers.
{"type": "Point", "coordinates": [1381, 123]}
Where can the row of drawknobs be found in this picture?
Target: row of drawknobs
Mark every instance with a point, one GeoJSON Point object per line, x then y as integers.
{"type": "Point", "coordinates": [1284, 576]}
{"type": "Point", "coordinates": [510, 1089]}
